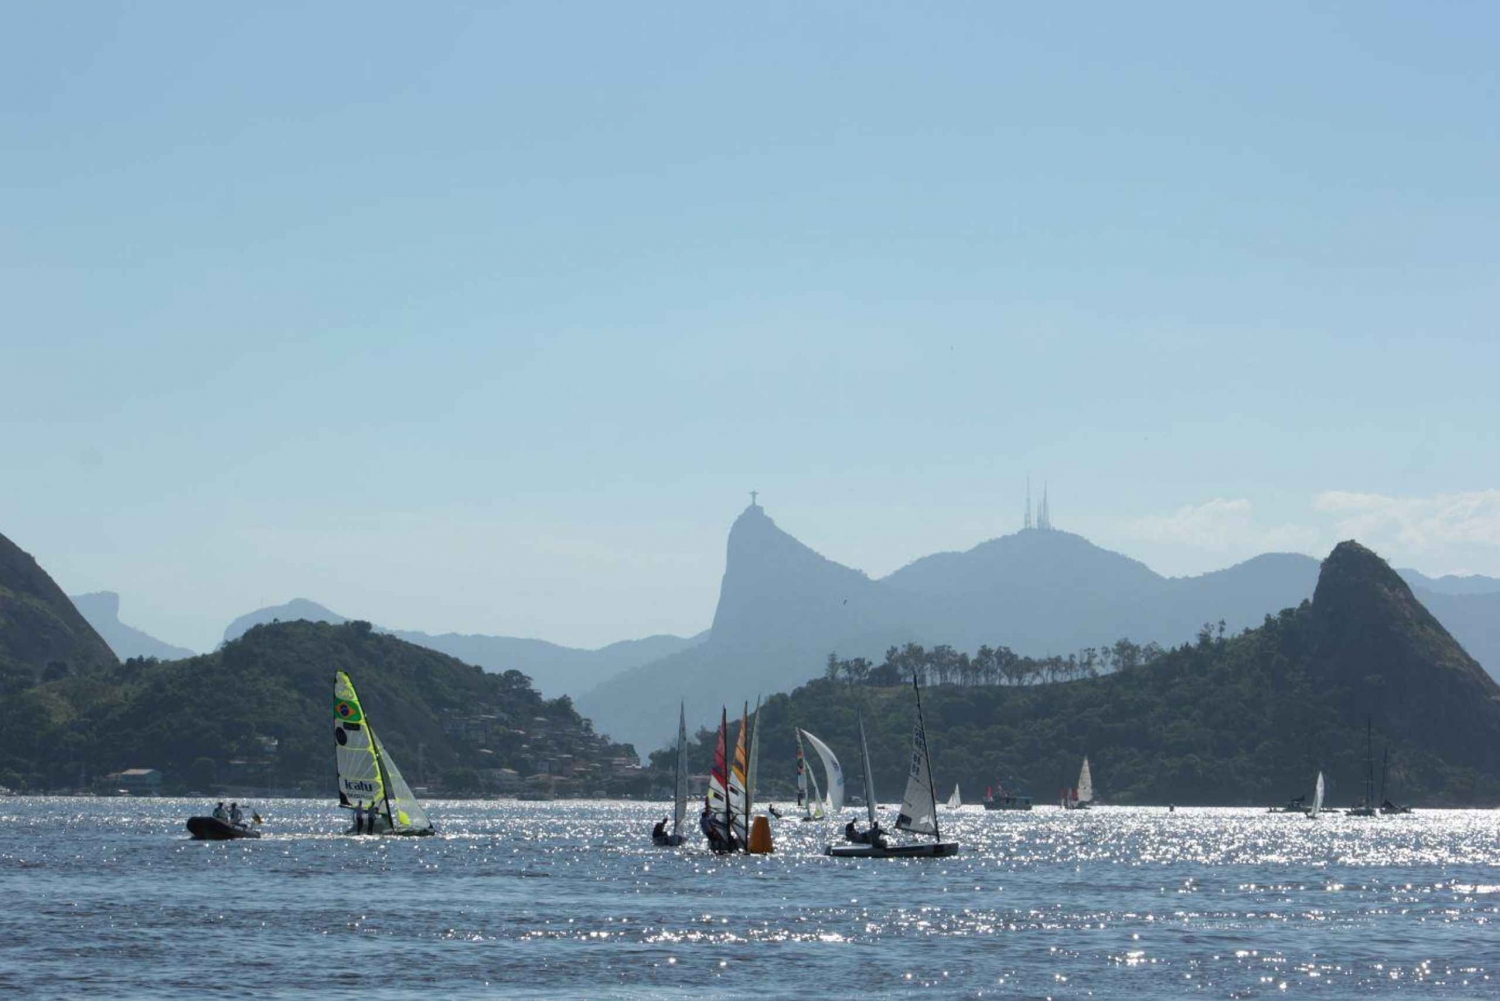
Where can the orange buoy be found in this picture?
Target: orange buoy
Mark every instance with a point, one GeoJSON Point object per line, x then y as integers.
{"type": "Point", "coordinates": [760, 837]}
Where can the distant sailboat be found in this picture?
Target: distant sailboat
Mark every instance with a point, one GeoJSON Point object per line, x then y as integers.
{"type": "Point", "coordinates": [680, 789]}
{"type": "Point", "coordinates": [955, 801]}
{"type": "Point", "coordinates": [918, 804]}
{"type": "Point", "coordinates": [833, 774]}
{"type": "Point", "coordinates": [809, 800]}
{"type": "Point", "coordinates": [368, 778]}
{"type": "Point", "coordinates": [1081, 795]}
{"type": "Point", "coordinates": [1317, 803]}
{"type": "Point", "coordinates": [1367, 808]}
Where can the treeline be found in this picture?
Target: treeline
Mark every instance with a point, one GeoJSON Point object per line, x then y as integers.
{"type": "Point", "coordinates": [943, 665]}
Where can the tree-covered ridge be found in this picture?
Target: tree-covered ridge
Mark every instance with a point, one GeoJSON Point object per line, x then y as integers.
{"type": "Point", "coordinates": [42, 635]}
{"type": "Point", "coordinates": [1247, 719]}
{"type": "Point", "coordinates": [257, 712]}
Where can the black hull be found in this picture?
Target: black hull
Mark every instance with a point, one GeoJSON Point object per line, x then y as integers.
{"type": "Point", "coordinates": [989, 805]}
{"type": "Point", "coordinates": [213, 829]}
{"type": "Point", "coordinates": [668, 840]}
{"type": "Point", "coordinates": [940, 849]}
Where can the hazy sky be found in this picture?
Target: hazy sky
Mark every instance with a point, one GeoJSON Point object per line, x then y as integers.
{"type": "Point", "coordinates": [487, 318]}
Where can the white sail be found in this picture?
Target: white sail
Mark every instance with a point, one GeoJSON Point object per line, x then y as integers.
{"type": "Point", "coordinates": [1317, 806]}
{"type": "Point", "coordinates": [833, 772]}
{"type": "Point", "coordinates": [402, 811]}
{"type": "Point", "coordinates": [810, 801]}
{"type": "Point", "coordinates": [360, 784]}
{"type": "Point", "coordinates": [864, 757]}
{"type": "Point", "coordinates": [815, 802]}
{"type": "Point", "coordinates": [918, 813]}
{"type": "Point", "coordinates": [1085, 783]}
{"type": "Point", "coordinates": [752, 771]}
{"type": "Point", "coordinates": [955, 801]}
{"type": "Point", "coordinates": [679, 813]}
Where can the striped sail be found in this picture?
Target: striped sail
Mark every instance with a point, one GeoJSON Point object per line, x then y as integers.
{"type": "Point", "coordinates": [718, 780]}
{"type": "Point", "coordinates": [739, 781]}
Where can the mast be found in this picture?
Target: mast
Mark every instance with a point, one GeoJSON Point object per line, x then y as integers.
{"type": "Point", "coordinates": [1385, 769]}
{"type": "Point", "coordinates": [937, 831]}
{"type": "Point", "coordinates": [1369, 764]}
{"type": "Point", "coordinates": [864, 760]}
{"type": "Point", "coordinates": [385, 779]}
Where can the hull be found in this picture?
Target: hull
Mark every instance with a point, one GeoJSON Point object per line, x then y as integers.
{"type": "Point", "coordinates": [387, 832]}
{"type": "Point", "coordinates": [213, 829]}
{"type": "Point", "coordinates": [940, 849]}
{"type": "Point", "coordinates": [668, 840]}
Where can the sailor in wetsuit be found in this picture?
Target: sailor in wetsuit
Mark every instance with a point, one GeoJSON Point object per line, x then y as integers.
{"type": "Point", "coordinates": [660, 830]}
{"type": "Point", "coordinates": [220, 813]}
{"type": "Point", "coordinates": [235, 816]}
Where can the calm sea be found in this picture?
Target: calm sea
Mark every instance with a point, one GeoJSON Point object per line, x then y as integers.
{"type": "Point", "coordinates": [108, 898]}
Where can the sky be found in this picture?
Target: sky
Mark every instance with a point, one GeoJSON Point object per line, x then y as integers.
{"type": "Point", "coordinates": [487, 317]}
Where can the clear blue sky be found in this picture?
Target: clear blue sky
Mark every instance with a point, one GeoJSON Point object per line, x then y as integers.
{"type": "Point", "coordinates": [487, 317]}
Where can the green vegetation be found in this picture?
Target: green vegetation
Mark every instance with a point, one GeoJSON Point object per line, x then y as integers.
{"type": "Point", "coordinates": [257, 713]}
{"type": "Point", "coordinates": [1248, 719]}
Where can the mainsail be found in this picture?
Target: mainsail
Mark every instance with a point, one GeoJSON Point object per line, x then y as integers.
{"type": "Point", "coordinates": [955, 801]}
{"type": "Point", "coordinates": [739, 800]}
{"type": "Point", "coordinates": [831, 770]}
{"type": "Point", "coordinates": [679, 813]}
{"type": "Point", "coordinates": [919, 802]}
{"type": "Point", "coordinates": [360, 784]}
{"type": "Point", "coordinates": [754, 767]}
{"type": "Point", "coordinates": [1085, 791]}
{"type": "Point", "coordinates": [403, 812]}
{"type": "Point", "coordinates": [1317, 806]}
{"type": "Point", "coordinates": [812, 804]}
{"type": "Point", "coordinates": [718, 779]}
{"type": "Point", "coordinates": [864, 757]}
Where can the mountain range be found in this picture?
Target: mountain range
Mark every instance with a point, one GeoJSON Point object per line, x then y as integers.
{"type": "Point", "coordinates": [554, 669]}
{"type": "Point", "coordinates": [102, 610]}
{"type": "Point", "coordinates": [783, 608]}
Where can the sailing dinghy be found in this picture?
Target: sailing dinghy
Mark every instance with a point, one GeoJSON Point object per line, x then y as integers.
{"type": "Point", "coordinates": [831, 803]}
{"type": "Point", "coordinates": [918, 814]}
{"type": "Point", "coordinates": [1317, 806]}
{"type": "Point", "coordinates": [679, 807]}
{"type": "Point", "coordinates": [367, 774]}
{"type": "Point", "coordinates": [955, 801]}
{"type": "Point", "coordinates": [1081, 795]}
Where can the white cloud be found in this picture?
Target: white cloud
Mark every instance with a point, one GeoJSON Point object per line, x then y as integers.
{"type": "Point", "coordinates": [1222, 526]}
{"type": "Point", "coordinates": [1416, 525]}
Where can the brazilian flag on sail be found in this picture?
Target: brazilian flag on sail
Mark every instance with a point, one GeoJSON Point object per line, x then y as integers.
{"type": "Point", "coordinates": [344, 709]}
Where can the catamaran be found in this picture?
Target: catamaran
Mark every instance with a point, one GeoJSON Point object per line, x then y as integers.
{"type": "Point", "coordinates": [1081, 795]}
{"type": "Point", "coordinates": [955, 801]}
{"type": "Point", "coordinates": [918, 814]}
{"type": "Point", "coordinates": [659, 837]}
{"type": "Point", "coordinates": [367, 774]}
{"type": "Point", "coordinates": [833, 802]}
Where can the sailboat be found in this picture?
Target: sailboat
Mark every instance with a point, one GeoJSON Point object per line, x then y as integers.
{"type": "Point", "coordinates": [367, 774]}
{"type": "Point", "coordinates": [1081, 795]}
{"type": "Point", "coordinates": [1317, 803]}
{"type": "Point", "coordinates": [718, 818]}
{"type": "Point", "coordinates": [833, 774]}
{"type": "Point", "coordinates": [918, 814]}
{"type": "Point", "coordinates": [955, 801]}
{"type": "Point", "coordinates": [1367, 808]}
{"type": "Point", "coordinates": [1386, 806]}
{"type": "Point", "coordinates": [679, 807]}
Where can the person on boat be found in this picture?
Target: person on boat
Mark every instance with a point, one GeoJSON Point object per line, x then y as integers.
{"type": "Point", "coordinates": [771, 808]}
{"type": "Point", "coordinates": [235, 816]}
{"type": "Point", "coordinates": [660, 830]}
{"type": "Point", "coordinates": [851, 832]}
{"type": "Point", "coordinates": [220, 813]}
{"type": "Point", "coordinates": [359, 817]}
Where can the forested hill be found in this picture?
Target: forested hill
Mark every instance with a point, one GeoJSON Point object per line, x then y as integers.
{"type": "Point", "coordinates": [257, 713]}
{"type": "Point", "coordinates": [41, 634]}
{"type": "Point", "coordinates": [1247, 719]}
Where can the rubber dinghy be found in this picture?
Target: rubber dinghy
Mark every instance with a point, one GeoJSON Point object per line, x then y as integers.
{"type": "Point", "coordinates": [214, 829]}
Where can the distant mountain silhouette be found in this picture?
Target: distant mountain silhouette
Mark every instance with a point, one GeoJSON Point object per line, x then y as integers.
{"type": "Point", "coordinates": [783, 608]}
{"type": "Point", "coordinates": [1452, 584]}
{"type": "Point", "coordinates": [102, 610]}
{"type": "Point", "coordinates": [41, 633]}
{"type": "Point", "coordinates": [1246, 719]}
{"type": "Point", "coordinates": [555, 670]}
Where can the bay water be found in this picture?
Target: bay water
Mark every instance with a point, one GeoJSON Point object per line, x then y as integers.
{"type": "Point", "coordinates": [109, 898]}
